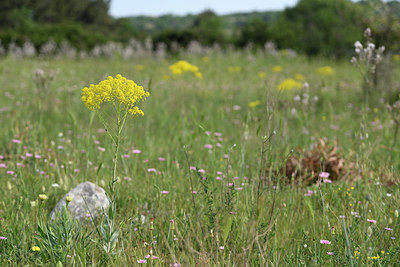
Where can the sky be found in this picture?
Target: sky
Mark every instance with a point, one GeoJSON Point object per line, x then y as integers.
{"type": "Point", "coordinates": [124, 8]}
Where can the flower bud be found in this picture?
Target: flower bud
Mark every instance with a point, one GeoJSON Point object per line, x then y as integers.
{"type": "Point", "coordinates": [369, 231]}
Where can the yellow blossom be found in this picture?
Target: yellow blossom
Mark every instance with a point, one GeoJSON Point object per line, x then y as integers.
{"type": "Point", "coordinates": [326, 71]}
{"type": "Point", "coordinates": [119, 89]}
{"type": "Point", "coordinates": [299, 77]}
{"type": "Point", "coordinates": [234, 69]}
{"type": "Point", "coordinates": [43, 197]}
{"type": "Point", "coordinates": [396, 57]}
{"type": "Point", "coordinates": [262, 75]}
{"type": "Point", "coordinates": [68, 198]}
{"type": "Point", "coordinates": [166, 77]}
{"type": "Point", "coordinates": [139, 67]}
{"type": "Point", "coordinates": [35, 248]}
{"type": "Point", "coordinates": [182, 66]}
{"type": "Point", "coordinates": [254, 104]}
{"type": "Point", "coordinates": [289, 84]}
{"type": "Point", "coordinates": [277, 69]}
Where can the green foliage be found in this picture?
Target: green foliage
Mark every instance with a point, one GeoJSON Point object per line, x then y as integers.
{"type": "Point", "coordinates": [207, 28]}
{"type": "Point", "coordinates": [320, 27]}
{"type": "Point", "coordinates": [256, 32]}
{"type": "Point", "coordinates": [61, 238]}
{"type": "Point", "coordinates": [285, 228]}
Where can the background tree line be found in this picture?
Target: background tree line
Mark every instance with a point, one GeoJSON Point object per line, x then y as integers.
{"type": "Point", "coordinates": [313, 27]}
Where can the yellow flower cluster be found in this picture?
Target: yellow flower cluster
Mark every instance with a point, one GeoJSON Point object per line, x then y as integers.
{"type": "Point", "coordinates": [182, 66]}
{"type": "Point", "coordinates": [299, 77]}
{"type": "Point", "coordinates": [326, 71]}
{"type": "Point", "coordinates": [262, 75]}
{"type": "Point", "coordinates": [254, 104]}
{"type": "Point", "coordinates": [234, 69]}
{"type": "Point", "coordinates": [118, 89]}
{"type": "Point", "coordinates": [396, 57]}
{"type": "Point", "coordinates": [277, 69]}
{"type": "Point", "coordinates": [289, 84]}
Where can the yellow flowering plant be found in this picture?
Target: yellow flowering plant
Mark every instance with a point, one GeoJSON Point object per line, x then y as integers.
{"type": "Point", "coordinates": [289, 84]}
{"type": "Point", "coordinates": [182, 66]}
{"type": "Point", "coordinates": [123, 95]}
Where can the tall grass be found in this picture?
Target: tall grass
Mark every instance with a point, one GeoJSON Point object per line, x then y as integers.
{"type": "Point", "coordinates": [242, 209]}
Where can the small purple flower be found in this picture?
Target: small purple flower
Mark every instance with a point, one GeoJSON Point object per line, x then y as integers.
{"type": "Point", "coordinates": [371, 221]}
{"type": "Point", "coordinates": [388, 229]}
{"type": "Point", "coordinates": [136, 151]}
{"type": "Point", "coordinates": [3, 238]}
{"type": "Point", "coordinates": [28, 155]}
{"type": "Point", "coordinates": [236, 107]}
{"type": "Point", "coordinates": [16, 141]}
{"type": "Point", "coordinates": [1, 157]}
{"type": "Point", "coordinates": [218, 178]}
{"type": "Point", "coordinates": [201, 171]}
{"type": "Point", "coordinates": [37, 156]}
{"type": "Point", "coordinates": [60, 147]}
{"type": "Point", "coordinates": [101, 149]}
{"type": "Point", "coordinates": [147, 256]}
{"type": "Point", "coordinates": [126, 156]}
{"type": "Point", "coordinates": [325, 242]}
{"type": "Point", "coordinates": [221, 248]}
{"type": "Point", "coordinates": [10, 172]}
{"type": "Point", "coordinates": [208, 132]}
{"type": "Point", "coordinates": [328, 181]}
{"type": "Point", "coordinates": [193, 168]}
{"type": "Point", "coordinates": [324, 174]}
{"type": "Point", "coordinates": [141, 261]}
{"type": "Point", "coordinates": [161, 159]}
{"type": "Point", "coordinates": [330, 253]}
{"type": "Point", "coordinates": [230, 184]}
{"type": "Point", "coordinates": [151, 170]}
{"type": "Point", "coordinates": [226, 156]}
{"type": "Point", "coordinates": [342, 216]}
{"type": "Point", "coordinates": [164, 192]}
{"type": "Point", "coordinates": [239, 188]}
{"type": "Point", "coordinates": [219, 173]}
{"type": "Point", "coordinates": [309, 193]}
{"type": "Point", "coordinates": [194, 192]}
{"type": "Point", "coordinates": [218, 134]}
{"type": "Point", "coordinates": [155, 257]}
{"type": "Point", "coordinates": [208, 146]}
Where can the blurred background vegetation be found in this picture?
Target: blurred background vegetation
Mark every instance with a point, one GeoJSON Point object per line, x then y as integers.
{"type": "Point", "coordinates": [312, 27]}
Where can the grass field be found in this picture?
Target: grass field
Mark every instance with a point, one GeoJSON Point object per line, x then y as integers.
{"type": "Point", "coordinates": [210, 177]}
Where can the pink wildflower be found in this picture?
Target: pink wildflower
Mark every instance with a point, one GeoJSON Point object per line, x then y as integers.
{"type": "Point", "coordinates": [371, 221]}
{"type": "Point", "coordinates": [325, 242]}
{"type": "Point", "coordinates": [208, 146]}
{"type": "Point", "coordinates": [164, 192]}
{"type": "Point", "coordinates": [324, 174]}
{"type": "Point", "coordinates": [136, 151]}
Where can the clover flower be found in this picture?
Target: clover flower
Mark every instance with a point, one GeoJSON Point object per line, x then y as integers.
{"type": "Point", "coordinates": [182, 66]}
{"type": "Point", "coordinates": [115, 90]}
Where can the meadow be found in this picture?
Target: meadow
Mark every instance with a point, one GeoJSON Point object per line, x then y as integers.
{"type": "Point", "coordinates": [213, 164]}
